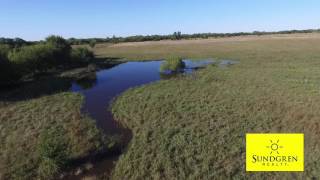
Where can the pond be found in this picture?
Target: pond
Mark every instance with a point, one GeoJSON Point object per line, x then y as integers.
{"type": "Point", "coordinates": [102, 87]}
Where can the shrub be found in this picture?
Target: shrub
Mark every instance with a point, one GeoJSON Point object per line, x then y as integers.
{"type": "Point", "coordinates": [53, 52]}
{"type": "Point", "coordinates": [173, 64]}
{"type": "Point", "coordinates": [7, 73]}
{"type": "Point", "coordinates": [81, 54]}
{"type": "Point", "coordinates": [62, 46]}
{"type": "Point", "coordinates": [29, 59]}
{"type": "Point", "coordinates": [32, 59]}
{"type": "Point", "coordinates": [48, 168]}
{"type": "Point", "coordinates": [4, 50]}
{"type": "Point", "coordinates": [92, 43]}
{"type": "Point", "coordinates": [53, 152]}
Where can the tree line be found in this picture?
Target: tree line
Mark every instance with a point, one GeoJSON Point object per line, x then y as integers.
{"type": "Point", "coordinates": [18, 42]}
{"type": "Point", "coordinates": [177, 36]}
{"type": "Point", "coordinates": [19, 58]}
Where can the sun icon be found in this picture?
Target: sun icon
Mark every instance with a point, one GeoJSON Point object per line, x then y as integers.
{"type": "Point", "coordinates": [274, 147]}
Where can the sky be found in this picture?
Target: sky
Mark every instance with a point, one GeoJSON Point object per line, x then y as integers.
{"type": "Point", "coordinates": [36, 19]}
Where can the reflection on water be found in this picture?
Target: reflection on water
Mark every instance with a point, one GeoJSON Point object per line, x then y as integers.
{"type": "Point", "coordinates": [196, 64]}
{"type": "Point", "coordinates": [87, 82]}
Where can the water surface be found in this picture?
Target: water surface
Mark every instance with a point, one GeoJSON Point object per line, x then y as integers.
{"type": "Point", "coordinates": [100, 89]}
{"type": "Point", "coordinates": [105, 85]}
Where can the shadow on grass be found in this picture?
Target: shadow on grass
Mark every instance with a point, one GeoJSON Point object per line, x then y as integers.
{"type": "Point", "coordinates": [29, 90]}
{"type": "Point", "coordinates": [48, 83]}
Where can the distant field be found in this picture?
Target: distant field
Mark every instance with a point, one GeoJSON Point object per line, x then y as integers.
{"type": "Point", "coordinates": [194, 127]}
{"type": "Point", "coordinates": [202, 48]}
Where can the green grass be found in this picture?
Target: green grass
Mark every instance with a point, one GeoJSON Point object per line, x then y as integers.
{"type": "Point", "coordinates": [173, 64]}
{"type": "Point", "coordinates": [25, 154]}
{"type": "Point", "coordinates": [184, 128]}
{"type": "Point", "coordinates": [194, 127]}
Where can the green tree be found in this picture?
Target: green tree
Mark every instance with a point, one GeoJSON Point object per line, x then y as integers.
{"type": "Point", "coordinates": [8, 74]}
{"type": "Point", "coordinates": [81, 54]}
{"type": "Point", "coordinates": [30, 59]}
{"type": "Point", "coordinates": [92, 43]}
{"type": "Point", "coordinates": [177, 35]}
{"type": "Point", "coordinates": [61, 46]}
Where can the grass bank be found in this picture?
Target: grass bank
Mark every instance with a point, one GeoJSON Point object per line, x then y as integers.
{"type": "Point", "coordinates": [36, 132]}
{"type": "Point", "coordinates": [194, 127]}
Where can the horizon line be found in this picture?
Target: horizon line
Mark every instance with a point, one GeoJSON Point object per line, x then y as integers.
{"type": "Point", "coordinates": [213, 33]}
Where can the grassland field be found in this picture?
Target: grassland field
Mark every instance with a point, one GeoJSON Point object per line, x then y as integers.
{"type": "Point", "coordinates": [194, 127]}
{"type": "Point", "coordinates": [190, 127]}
